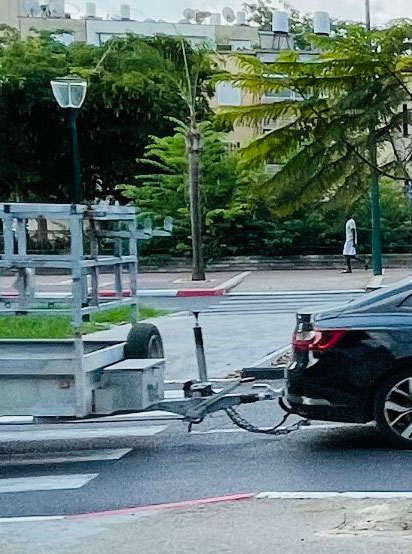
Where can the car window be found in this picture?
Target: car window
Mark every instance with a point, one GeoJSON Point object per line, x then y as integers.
{"type": "Point", "coordinates": [407, 303]}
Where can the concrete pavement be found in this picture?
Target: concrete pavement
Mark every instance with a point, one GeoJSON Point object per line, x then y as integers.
{"type": "Point", "coordinates": [172, 284]}
{"type": "Point", "coordinates": [315, 280]}
{"type": "Point", "coordinates": [231, 342]}
{"type": "Point", "coordinates": [246, 526]}
{"type": "Point", "coordinates": [249, 281]}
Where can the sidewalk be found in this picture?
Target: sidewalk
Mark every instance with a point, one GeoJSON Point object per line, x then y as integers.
{"type": "Point", "coordinates": [249, 526]}
{"type": "Point", "coordinates": [315, 280]}
{"type": "Point", "coordinates": [218, 284]}
{"type": "Point", "coordinates": [149, 284]}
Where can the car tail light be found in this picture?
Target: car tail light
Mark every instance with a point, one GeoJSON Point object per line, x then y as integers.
{"type": "Point", "coordinates": [317, 340]}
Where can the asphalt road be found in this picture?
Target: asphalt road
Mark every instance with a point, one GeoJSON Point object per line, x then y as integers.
{"type": "Point", "coordinates": [215, 460]}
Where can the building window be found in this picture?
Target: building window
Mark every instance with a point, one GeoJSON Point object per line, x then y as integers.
{"type": "Point", "coordinates": [224, 48]}
{"type": "Point", "coordinates": [104, 37]}
{"type": "Point", "coordinates": [233, 146]}
{"type": "Point", "coordinates": [280, 95]}
{"type": "Point", "coordinates": [240, 44]}
{"type": "Point", "coordinates": [64, 38]}
{"type": "Point", "coordinates": [228, 95]}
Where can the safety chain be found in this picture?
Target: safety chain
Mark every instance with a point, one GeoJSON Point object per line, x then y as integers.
{"type": "Point", "coordinates": [241, 422]}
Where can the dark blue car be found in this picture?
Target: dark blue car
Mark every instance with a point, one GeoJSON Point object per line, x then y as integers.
{"type": "Point", "coordinates": [353, 363]}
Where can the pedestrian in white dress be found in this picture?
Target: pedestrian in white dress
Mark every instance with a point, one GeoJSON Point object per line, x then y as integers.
{"type": "Point", "coordinates": [350, 247]}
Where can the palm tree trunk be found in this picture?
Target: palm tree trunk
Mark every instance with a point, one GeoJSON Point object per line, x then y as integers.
{"type": "Point", "coordinates": [193, 144]}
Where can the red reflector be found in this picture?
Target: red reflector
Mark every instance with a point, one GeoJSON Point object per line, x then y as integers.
{"type": "Point", "coordinates": [317, 341]}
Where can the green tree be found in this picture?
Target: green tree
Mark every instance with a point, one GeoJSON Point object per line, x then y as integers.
{"type": "Point", "coordinates": [349, 98]}
{"type": "Point", "coordinates": [132, 91]}
{"type": "Point", "coordinates": [164, 191]}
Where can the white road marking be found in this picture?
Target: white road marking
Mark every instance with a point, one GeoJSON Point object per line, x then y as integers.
{"type": "Point", "coordinates": [321, 426]}
{"type": "Point", "coordinates": [46, 483]}
{"type": "Point", "coordinates": [79, 435]}
{"type": "Point", "coordinates": [68, 457]}
{"type": "Point", "coordinates": [314, 495]}
{"type": "Point", "coordinates": [213, 380]}
{"type": "Point", "coordinates": [140, 416]}
{"type": "Point", "coordinates": [219, 431]}
{"type": "Point", "coordinates": [297, 293]}
{"type": "Point", "coordinates": [30, 519]}
{"type": "Point", "coordinates": [16, 420]}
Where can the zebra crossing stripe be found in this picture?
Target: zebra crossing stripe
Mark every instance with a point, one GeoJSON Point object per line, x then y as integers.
{"type": "Point", "coordinates": [50, 458]}
{"type": "Point", "coordinates": [45, 483]}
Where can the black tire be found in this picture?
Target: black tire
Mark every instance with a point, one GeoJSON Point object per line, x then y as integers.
{"type": "Point", "coordinates": [393, 409]}
{"type": "Point", "coordinates": [144, 341]}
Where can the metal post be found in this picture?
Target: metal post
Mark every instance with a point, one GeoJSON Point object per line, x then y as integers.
{"type": "Point", "coordinates": [376, 228]}
{"type": "Point", "coordinates": [376, 217]}
{"type": "Point", "coordinates": [133, 269]}
{"type": "Point", "coordinates": [77, 191]}
{"type": "Point", "coordinates": [408, 190]}
{"type": "Point", "coordinates": [200, 350]}
{"type": "Point", "coordinates": [375, 193]}
{"type": "Point", "coordinates": [368, 14]}
{"type": "Point", "coordinates": [193, 145]}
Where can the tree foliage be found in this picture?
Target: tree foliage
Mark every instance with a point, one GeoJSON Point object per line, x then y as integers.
{"type": "Point", "coordinates": [163, 189]}
{"type": "Point", "coordinates": [348, 98]}
{"type": "Point", "coordinates": [133, 89]}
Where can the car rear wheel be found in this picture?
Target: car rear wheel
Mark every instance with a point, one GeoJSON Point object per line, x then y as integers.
{"type": "Point", "coordinates": [393, 409]}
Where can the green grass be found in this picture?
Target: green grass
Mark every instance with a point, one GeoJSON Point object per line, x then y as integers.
{"type": "Point", "coordinates": [61, 327]}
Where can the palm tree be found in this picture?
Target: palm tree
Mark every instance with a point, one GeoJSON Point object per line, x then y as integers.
{"type": "Point", "coordinates": [189, 84]}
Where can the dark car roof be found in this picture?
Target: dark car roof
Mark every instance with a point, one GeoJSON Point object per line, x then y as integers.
{"type": "Point", "coordinates": [384, 300]}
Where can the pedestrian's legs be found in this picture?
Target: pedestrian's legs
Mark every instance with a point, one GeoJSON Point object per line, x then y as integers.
{"type": "Point", "coordinates": [363, 261]}
{"type": "Point", "coordinates": [358, 259]}
{"type": "Point", "coordinates": [348, 263]}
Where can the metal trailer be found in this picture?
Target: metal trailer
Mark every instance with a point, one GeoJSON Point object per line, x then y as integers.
{"type": "Point", "coordinates": [81, 378]}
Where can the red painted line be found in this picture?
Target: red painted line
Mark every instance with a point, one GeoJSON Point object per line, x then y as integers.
{"type": "Point", "coordinates": [201, 292]}
{"type": "Point", "coordinates": [184, 293]}
{"type": "Point", "coordinates": [161, 507]}
{"type": "Point", "coordinates": [112, 294]}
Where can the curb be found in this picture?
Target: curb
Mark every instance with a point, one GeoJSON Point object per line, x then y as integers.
{"type": "Point", "coordinates": [172, 293]}
{"type": "Point", "coordinates": [136, 510]}
{"type": "Point", "coordinates": [270, 495]}
{"type": "Point", "coordinates": [164, 507]}
{"type": "Point", "coordinates": [376, 281]}
{"type": "Point", "coordinates": [182, 293]}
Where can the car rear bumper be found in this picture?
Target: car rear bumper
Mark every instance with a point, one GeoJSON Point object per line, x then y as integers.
{"type": "Point", "coordinates": [321, 409]}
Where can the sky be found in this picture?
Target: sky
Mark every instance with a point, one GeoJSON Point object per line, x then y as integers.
{"type": "Point", "coordinates": [171, 10]}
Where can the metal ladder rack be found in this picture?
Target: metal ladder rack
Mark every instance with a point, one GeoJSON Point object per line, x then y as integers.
{"type": "Point", "coordinates": [86, 226]}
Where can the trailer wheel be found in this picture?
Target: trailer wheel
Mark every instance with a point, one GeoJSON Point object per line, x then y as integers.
{"type": "Point", "coordinates": [144, 341]}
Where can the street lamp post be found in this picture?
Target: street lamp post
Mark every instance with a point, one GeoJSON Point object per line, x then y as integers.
{"type": "Point", "coordinates": [368, 14]}
{"type": "Point", "coordinates": [375, 201]}
{"type": "Point", "coordinates": [70, 93]}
